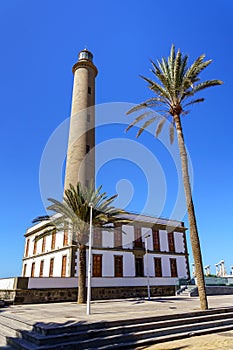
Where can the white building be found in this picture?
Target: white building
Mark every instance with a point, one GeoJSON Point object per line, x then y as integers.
{"type": "Point", "coordinates": [124, 258]}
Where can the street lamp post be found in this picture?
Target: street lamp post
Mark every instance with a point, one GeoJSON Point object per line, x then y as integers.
{"type": "Point", "coordinates": [89, 265]}
{"type": "Point", "coordinates": [147, 267]}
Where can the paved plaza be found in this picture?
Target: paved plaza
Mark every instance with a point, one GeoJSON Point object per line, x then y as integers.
{"type": "Point", "coordinates": [216, 341]}
{"type": "Point", "coordinates": [109, 310]}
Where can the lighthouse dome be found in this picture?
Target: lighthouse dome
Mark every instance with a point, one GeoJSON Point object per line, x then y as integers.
{"type": "Point", "coordinates": [85, 55]}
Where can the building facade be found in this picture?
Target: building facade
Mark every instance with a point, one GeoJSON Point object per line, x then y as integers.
{"type": "Point", "coordinates": [124, 257]}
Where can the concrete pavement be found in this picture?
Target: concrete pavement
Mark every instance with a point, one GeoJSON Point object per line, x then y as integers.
{"type": "Point", "coordinates": [109, 310]}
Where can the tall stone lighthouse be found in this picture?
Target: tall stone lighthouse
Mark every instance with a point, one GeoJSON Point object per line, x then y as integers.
{"type": "Point", "coordinates": [80, 162]}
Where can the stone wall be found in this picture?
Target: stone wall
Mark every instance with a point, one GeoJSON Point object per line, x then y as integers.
{"type": "Point", "coordinates": [30, 296]}
{"type": "Point", "coordinates": [219, 290]}
{"type": "Point", "coordinates": [7, 294]}
{"type": "Point", "coordinates": [131, 292]}
{"type": "Point", "coordinates": [33, 296]}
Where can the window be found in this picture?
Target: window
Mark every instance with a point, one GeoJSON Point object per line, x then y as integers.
{"type": "Point", "coordinates": [118, 236]}
{"type": "Point", "coordinates": [35, 247]}
{"type": "Point", "coordinates": [89, 90]}
{"type": "Point", "coordinates": [65, 237]}
{"type": "Point", "coordinates": [63, 267]}
{"type": "Point", "coordinates": [24, 270]}
{"type": "Point", "coordinates": [156, 242]}
{"type": "Point", "coordinates": [138, 237]}
{"type": "Point", "coordinates": [87, 148]}
{"type": "Point", "coordinates": [33, 269]}
{"type": "Point", "coordinates": [97, 265]}
{"type": "Point", "coordinates": [118, 265]}
{"type": "Point", "coordinates": [43, 244]}
{"type": "Point", "coordinates": [41, 268]}
{"type": "Point", "coordinates": [139, 267]}
{"type": "Point", "coordinates": [27, 247]}
{"type": "Point", "coordinates": [173, 267]}
{"type": "Point", "coordinates": [53, 239]}
{"type": "Point", "coordinates": [97, 237]}
{"type": "Point", "coordinates": [171, 243]}
{"type": "Point", "coordinates": [51, 265]}
{"type": "Point", "coordinates": [158, 267]}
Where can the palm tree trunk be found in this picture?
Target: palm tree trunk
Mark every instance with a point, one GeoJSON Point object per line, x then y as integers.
{"type": "Point", "coordinates": [82, 295]}
{"type": "Point", "coordinates": [194, 238]}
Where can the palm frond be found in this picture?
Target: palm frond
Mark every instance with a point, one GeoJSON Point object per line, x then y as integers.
{"type": "Point", "coordinates": [41, 218]}
{"type": "Point", "coordinates": [162, 74]}
{"type": "Point", "coordinates": [204, 85]}
{"type": "Point", "coordinates": [177, 73]}
{"type": "Point", "coordinates": [171, 60]}
{"type": "Point", "coordinates": [198, 100]}
{"type": "Point", "coordinates": [146, 124]}
{"type": "Point", "coordinates": [136, 108]}
{"type": "Point", "coordinates": [156, 68]}
{"type": "Point", "coordinates": [192, 69]}
{"type": "Point", "coordinates": [160, 90]}
{"type": "Point", "coordinates": [138, 119]}
{"type": "Point", "coordinates": [171, 132]}
{"type": "Point", "coordinates": [160, 127]}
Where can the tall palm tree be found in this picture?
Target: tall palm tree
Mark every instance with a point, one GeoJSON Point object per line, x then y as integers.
{"type": "Point", "coordinates": [174, 87]}
{"type": "Point", "coordinates": [74, 213]}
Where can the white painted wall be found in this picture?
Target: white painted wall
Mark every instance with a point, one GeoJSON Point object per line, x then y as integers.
{"type": "Point", "coordinates": [179, 242]}
{"type": "Point", "coordinates": [133, 281]}
{"type": "Point", "coordinates": [99, 282]}
{"type": "Point", "coordinates": [7, 283]}
{"type": "Point", "coordinates": [107, 263]}
{"type": "Point", "coordinates": [145, 232]}
{"type": "Point", "coordinates": [128, 264]}
{"type": "Point", "coordinates": [181, 267]}
{"type": "Point", "coordinates": [57, 255]}
{"type": "Point", "coordinates": [163, 241]}
{"type": "Point", "coordinates": [53, 282]}
{"type": "Point", "coordinates": [107, 239]}
{"type": "Point", "coordinates": [151, 267]}
{"type": "Point", "coordinates": [166, 271]}
{"type": "Point", "coordinates": [127, 236]}
{"type": "Point", "coordinates": [72, 282]}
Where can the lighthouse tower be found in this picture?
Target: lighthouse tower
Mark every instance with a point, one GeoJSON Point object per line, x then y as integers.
{"type": "Point", "coordinates": [80, 162]}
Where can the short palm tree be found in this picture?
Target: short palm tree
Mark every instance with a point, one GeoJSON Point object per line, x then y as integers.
{"type": "Point", "coordinates": [74, 213]}
{"type": "Point", "coordinates": [174, 88]}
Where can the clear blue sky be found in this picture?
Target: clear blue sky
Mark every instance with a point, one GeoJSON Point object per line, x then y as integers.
{"type": "Point", "coordinates": [40, 41]}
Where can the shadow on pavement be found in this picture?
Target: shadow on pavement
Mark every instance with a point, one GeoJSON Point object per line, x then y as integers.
{"type": "Point", "coordinates": [169, 348]}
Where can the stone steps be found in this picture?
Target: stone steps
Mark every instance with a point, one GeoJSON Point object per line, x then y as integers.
{"type": "Point", "coordinates": [14, 323]}
{"type": "Point", "coordinates": [129, 333]}
{"type": "Point", "coordinates": [140, 344]}
{"type": "Point", "coordinates": [189, 290]}
{"type": "Point", "coordinates": [85, 326]}
{"type": "Point", "coordinates": [11, 327]}
{"type": "Point", "coordinates": [4, 333]}
{"type": "Point", "coordinates": [130, 328]}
